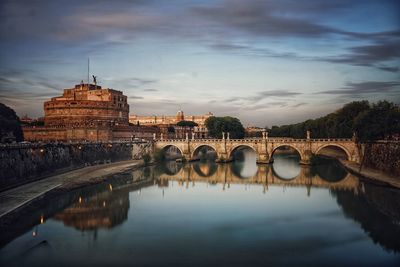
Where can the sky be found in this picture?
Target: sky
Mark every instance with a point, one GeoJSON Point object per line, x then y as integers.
{"type": "Point", "coordinates": [265, 62]}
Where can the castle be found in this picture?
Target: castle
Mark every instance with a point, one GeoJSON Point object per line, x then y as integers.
{"type": "Point", "coordinates": [87, 112]}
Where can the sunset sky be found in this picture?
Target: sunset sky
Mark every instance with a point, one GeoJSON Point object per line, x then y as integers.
{"type": "Point", "coordinates": [266, 62]}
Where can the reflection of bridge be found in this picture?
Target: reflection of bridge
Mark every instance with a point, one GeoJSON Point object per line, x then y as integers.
{"type": "Point", "coordinates": [264, 147]}
{"type": "Point", "coordinates": [264, 176]}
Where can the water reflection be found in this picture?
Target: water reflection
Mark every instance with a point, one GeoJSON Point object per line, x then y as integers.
{"type": "Point", "coordinates": [262, 215]}
{"type": "Point", "coordinates": [244, 164]}
{"type": "Point", "coordinates": [292, 174]}
{"type": "Point", "coordinates": [205, 168]}
{"type": "Point", "coordinates": [377, 210]}
{"type": "Point", "coordinates": [286, 166]}
{"type": "Point", "coordinates": [103, 210]}
{"type": "Point", "coordinates": [329, 170]}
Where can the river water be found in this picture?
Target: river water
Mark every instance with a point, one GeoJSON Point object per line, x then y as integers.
{"type": "Point", "coordinates": [208, 214]}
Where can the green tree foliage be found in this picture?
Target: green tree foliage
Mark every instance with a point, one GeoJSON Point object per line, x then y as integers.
{"type": "Point", "coordinates": [217, 125]}
{"type": "Point", "coordinates": [380, 122]}
{"type": "Point", "coordinates": [339, 124]}
{"type": "Point", "coordinates": [190, 124]}
{"type": "Point", "coordinates": [9, 123]}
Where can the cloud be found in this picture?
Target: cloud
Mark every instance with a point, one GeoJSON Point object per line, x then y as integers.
{"type": "Point", "coordinates": [264, 95]}
{"type": "Point", "coordinates": [150, 90]}
{"type": "Point", "coordinates": [257, 18]}
{"type": "Point", "coordinates": [389, 69]}
{"type": "Point", "coordinates": [362, 88]}
{"type": "Point", "coordinates": [371, 55]}
{"type": "Point", "coordinates": [135, 97]}
{"type": "Point", "coordinates": [142, 80]}
{"type": "Point", "coordinates": [26, 84]}
{"type": "Point", "coordinates": [263, 106]}
{"type": "Point", "coordinates": [129, 82]}
{"type": "Point", "coordinates": [299, 105]}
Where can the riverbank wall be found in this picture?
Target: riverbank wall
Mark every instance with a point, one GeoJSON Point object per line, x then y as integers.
{"type": "Point", "coordinates": [22, 163]}
{"type": "Point", "coordinates": [383, 155]}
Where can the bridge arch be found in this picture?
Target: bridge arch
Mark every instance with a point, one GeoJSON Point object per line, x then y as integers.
{"type": "Point", "coordinates": [167, 146]}
{"type": "Point", "coordinates": [341, 147]}
{"type": "Point", "coordinates": [198, 147]}
{"type": "Point", "coordinates": [236, 147]}
{"type": "Point", "coordinates": [287, 145]}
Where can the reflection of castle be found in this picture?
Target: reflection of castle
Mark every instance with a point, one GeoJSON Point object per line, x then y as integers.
{"type": "Point", "coordinates": [103, 210]}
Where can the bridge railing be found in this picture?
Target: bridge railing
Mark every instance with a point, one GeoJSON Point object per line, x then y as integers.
{"type": "Point", "coordinates": [247, 140]}
{"type": "Point", "coordinates": [73, 143]}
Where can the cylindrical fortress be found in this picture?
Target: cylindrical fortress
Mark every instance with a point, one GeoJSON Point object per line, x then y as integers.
{"type": "Point", "coordinates": [91, 107]}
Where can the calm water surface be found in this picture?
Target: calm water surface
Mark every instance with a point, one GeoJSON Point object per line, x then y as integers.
{"type": "Point", "coordinates": [207, 214]}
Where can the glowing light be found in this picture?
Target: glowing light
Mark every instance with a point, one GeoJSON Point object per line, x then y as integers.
{"type": "Point", "coordinates": [104, 203]}
{"type": "Point", "coordinates": [80, 200]}
{"type": "Point", "coordinates": [41, 150]}
{"type": "Point", "coordinates": [34, 233]}
{"type": "Point", "coordinates": [41, 219]}
{"type": "Point", "coordinates": [110, 186]}
{"type": "Point", "coordinates": [79, 147]}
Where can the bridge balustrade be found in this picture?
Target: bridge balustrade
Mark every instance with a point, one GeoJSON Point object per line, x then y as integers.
{"type": "Point", "coordinates": [271, 139]}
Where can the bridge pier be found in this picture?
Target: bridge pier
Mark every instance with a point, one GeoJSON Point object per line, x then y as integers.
{"type": "Point", "coordinates": [223, 158]}
{"type": "Point", "coordinates": [263, 159]}
{"type": "Point", "coordinates": [306, 158]}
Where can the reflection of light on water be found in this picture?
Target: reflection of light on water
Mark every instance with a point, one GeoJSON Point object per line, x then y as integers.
{"type": "Point", "coordinates": [247, 166]}
{"type": "Point", "coordinates": [286, 166]}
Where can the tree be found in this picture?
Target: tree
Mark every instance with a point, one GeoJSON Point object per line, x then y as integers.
{"type": "Point", "coordinates": [382, 121]}
{"type": "Point", "coordinates": [190, 124]}
{"type": "Point", "coordinates": [9, 124]}
{"type": "Point", "coordinates": [339, 124]}
{"type": "Point", "coordinates": [231, 125]}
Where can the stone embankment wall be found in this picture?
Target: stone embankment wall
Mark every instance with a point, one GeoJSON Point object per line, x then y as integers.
{"type": "Point", "coordinates": [28, 162]}
{"type": "Point", "coordinates": [384, 156]}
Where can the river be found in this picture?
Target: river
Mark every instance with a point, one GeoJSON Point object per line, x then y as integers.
{"type": "Point", "coordinates": [208, 214]}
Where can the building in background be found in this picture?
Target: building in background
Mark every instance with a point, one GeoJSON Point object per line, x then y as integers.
{"type": "Point", "coordinates": [87, 112]}
{"type": "Point", "coordinates": [168, 120]}
{"type": "Point", "coordinates": [168, 125]}
{"type": "Point", "coordinates": [253, 131]}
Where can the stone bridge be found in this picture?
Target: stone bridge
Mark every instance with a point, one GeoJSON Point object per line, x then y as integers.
{"type": "Point", "coordinates": [265, 175]}
{"type": "Point", "coordinates": [264, 147]}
